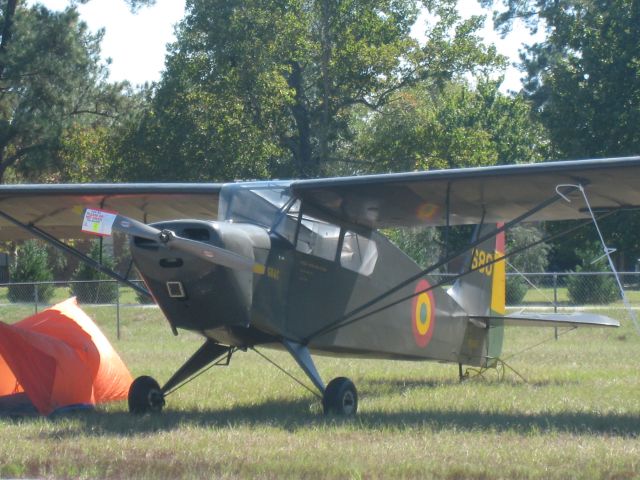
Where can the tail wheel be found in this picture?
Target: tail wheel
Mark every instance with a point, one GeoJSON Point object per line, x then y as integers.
{"type": "Point", "coordinates": [145, 396]}
{"type": "Point", "coordinates": [340, 397]}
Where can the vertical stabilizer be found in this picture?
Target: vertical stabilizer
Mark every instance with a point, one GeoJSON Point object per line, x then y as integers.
{"type": "Point", "coordinates": [482, 294]}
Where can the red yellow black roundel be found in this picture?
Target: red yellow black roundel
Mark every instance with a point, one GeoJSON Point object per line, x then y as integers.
{"type": "Point", "coordinates": [423, 314]}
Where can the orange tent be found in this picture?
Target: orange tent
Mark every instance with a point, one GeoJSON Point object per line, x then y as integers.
{"type": "Point", "coordinates": [58, 358]}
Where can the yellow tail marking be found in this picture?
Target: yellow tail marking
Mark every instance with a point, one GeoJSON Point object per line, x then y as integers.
{"type": "Point", "coordinates": [498, 287]}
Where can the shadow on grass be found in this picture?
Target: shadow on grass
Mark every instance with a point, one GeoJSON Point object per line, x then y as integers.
{"type": "Point", "coordinates": [297, 415]}
{"type": "Point", "coordinates": [381, 387]}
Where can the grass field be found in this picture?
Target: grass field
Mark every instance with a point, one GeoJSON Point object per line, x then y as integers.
{"type": "Point", "coordinates": [576, 416]}
{"type": "Point", "coordinates": [544, 296]}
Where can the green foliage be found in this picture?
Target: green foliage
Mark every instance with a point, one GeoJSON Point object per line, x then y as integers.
{"type": "Point", "coordinates": [421, 244]}
{"type": "Point", "coordinates": [533, 259]}
{"type": "Point", "coordinates": [515, 290]}
{"type": "Point", "coordinates": [95, 290]}
{"type": "Point", "coordinates": [451, 127]}
{"type": "Point", "coordinates": [268, 89]}
{"type": "Point", "coordinates": [592, 289]}
{"type": "Point", "coordinates": [583, 82]}
{"type": "Point", "coordinates": [583, 78]}
{"type": "Point", "coordinates": [31, 265]}
{"type": "Point", "coordinates": [52, 86]}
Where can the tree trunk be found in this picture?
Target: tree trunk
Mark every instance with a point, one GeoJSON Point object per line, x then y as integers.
{"type": "Point", "coordinates": [325, 42]}
{"type": "Point", "coordinates": [302, 151]}
{"type": "Point", "coordinates": [7, 30]}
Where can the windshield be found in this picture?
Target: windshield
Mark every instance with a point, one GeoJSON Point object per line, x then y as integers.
{"type": "Point", "coordinates": [259, 203]}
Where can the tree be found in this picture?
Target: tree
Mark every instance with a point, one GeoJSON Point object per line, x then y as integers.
{"type": "Point", "coordinates": [531, 260]}
{"type": "Point", "coordinates": [592, 289]}
{"type": "Point", "coordinates": [51, 79]}
{"type": "Point", "coordinates": [31, 266]}
{"type": "Point", "coordinates": [453, 126]}
{"type": "Point", "coordinates": [267, 87]}
{"type": "Point", "coordinates": [583, 79]}
{"type": "Point", "coordinates": [450, 126]}
{"type": "Point", "coordinates": [94, 152]}
{"type": "Point", "coordinates": [423, 245]}
{"type": "Point", "coordinates": [92, 286]}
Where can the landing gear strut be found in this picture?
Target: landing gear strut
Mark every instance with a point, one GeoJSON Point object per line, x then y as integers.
{"type": "Point", "coordinates": [146, 396]}
{"type": "Point", "coordinates": [340, 397]}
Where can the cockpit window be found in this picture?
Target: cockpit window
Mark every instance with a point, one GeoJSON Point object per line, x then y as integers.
{"type": "Point", "coordinates": [318, 238]}
{"type": "Point", "coordinates": [260, 204]}
{"type": "Point", "coordinates": [288, 222]}
{"type": "Point", "coordinates": [278, 197]}
{"type": "Point", "coordinates": [358, 253]}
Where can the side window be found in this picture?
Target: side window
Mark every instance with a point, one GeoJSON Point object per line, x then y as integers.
{"type": "Point", "coordinates": [359, 253]}
{"type": "Point", "coordinates": [288, 223]}
{"type": "Point", "coordinates": [318, 238]}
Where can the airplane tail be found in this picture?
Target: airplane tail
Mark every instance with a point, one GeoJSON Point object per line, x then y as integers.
{"type": "Point", "coordinates": [482, 292]}
{"type": "Point", "coordinates": [482, 295]}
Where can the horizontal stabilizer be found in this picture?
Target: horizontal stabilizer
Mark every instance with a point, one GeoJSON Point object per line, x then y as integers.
{"type": "Point", "coordinates": [555, 320]}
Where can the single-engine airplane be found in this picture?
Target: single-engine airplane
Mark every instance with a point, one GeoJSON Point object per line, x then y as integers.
{"type": "Point", "coordinates": [301, 265]}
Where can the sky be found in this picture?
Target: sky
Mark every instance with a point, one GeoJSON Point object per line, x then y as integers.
{"type": "Point", "coordinates": [136, 43]}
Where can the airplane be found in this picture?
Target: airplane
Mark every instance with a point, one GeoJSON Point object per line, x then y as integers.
{"type": "Point", "coordinates": [303, 265]}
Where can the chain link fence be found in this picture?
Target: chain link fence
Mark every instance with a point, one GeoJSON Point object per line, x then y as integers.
{"type": "Point", "coordinates": [544, 291]}
{"type": "Point", "coordinates": [19, 300]}
{"type": "Point", "coordinates": [572, 289]}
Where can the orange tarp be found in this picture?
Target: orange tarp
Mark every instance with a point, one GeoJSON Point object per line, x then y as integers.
{"type": "Point", "coordinates": [59, 357]}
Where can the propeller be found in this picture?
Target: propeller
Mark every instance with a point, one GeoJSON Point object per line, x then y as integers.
{"type": "Point", "coordinates": [102, 223]}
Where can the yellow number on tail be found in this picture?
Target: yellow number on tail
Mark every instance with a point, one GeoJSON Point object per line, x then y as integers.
{"type": "Point", "coordinates": [483, 262]}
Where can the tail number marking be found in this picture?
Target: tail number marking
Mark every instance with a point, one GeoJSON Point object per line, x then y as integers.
{"type": "Point", "coordinates": [483, 262]}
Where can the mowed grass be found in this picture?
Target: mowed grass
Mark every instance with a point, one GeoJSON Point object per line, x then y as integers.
{"type": "Point", "coordinates": [576, 416]}
{"type": "Point", "coordinates": [545, 296]}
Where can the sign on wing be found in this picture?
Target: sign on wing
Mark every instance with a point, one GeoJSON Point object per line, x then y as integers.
{"type": "Point", "coordinates": [98, 222]}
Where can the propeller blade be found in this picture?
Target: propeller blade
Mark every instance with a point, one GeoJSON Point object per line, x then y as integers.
{"type": "Point", "coordinates": [217, 255]}
{"type": "Point", "coordinates": [136, 228]}
{"type": "Point", "coordinates": [102, 223]}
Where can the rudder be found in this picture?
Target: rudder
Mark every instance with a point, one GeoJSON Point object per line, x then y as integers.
{"type": "Point", "coordinates": [482, 294]}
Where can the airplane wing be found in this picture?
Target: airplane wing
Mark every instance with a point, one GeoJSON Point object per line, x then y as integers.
{"type": "Point", "coordinates": [58, 209]}
{"type": "Point", "coordinates": [405, 199]}
{"type": "Point", "coordinates": [495, 194]}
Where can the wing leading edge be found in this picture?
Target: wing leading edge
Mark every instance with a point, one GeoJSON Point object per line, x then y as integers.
{"type": "Point", "coordinates": [58, 209]}
{"type": "Point", "coordinates": [470, 195]}
{"type": "Point", "coordinates": [460, 196]}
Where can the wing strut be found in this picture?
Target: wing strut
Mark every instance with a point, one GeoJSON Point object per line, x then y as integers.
{"type": "Point", "coordinates": [32, 229]}
{"type": "Point", "coordinates": [561, 193]}
{"type": "Point", "coordinates": [332, 327]}
{"type": "Point", "coordinates": [607, 253]}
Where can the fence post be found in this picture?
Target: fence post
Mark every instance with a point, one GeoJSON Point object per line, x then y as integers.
{"type": "Point", "coordinates": [35, 296]}
{"type": "Point", "coordinates": [555, 300]}
{"type": "Point", "coordinates": [118, 310]}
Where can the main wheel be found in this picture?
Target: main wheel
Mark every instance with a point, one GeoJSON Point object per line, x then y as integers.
{"type": "Point", "coordinates": [340, 397]}
{"type": "Point", "coordinates": [145, 396]}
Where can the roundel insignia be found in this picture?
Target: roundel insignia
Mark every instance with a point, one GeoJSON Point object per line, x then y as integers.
{"type": "Point", "coordinates": [423, 314]}
{"type": "Point", "coordinates": [427, 211]}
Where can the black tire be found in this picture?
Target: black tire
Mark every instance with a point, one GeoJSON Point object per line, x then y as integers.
{"type": "Point", "coordinates": [340, 398]}
{"type": "Point", "coordinates": [145, 396]}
